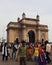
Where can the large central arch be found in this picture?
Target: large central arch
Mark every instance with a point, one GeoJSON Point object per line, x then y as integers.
{"type": "Point", "coordinates": [31, 36]}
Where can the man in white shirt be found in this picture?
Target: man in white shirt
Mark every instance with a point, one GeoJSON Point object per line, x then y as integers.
{"type": "Point", "coordinates": [48, 50]}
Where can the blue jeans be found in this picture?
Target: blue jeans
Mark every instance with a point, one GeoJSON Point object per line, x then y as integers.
{"type": "Point", "coordinates": [36, 58]}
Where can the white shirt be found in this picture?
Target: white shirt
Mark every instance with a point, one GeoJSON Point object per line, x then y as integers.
{"type": "Point", "coordinates": [48, 47]}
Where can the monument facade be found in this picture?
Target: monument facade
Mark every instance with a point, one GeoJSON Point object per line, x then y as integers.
{"type": "Point", "coordinates": [27, 29]}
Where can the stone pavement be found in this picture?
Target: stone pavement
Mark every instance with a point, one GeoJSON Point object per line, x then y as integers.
{"type": "Point", "coordinates": [12, 62]}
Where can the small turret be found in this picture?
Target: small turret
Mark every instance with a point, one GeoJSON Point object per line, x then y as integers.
{"type": "Point", "coordinates": [37, 17]}
{"type": "Point", "coordinates": [18, 19]}
{"type": "Point", "coordinates": [23, 15]}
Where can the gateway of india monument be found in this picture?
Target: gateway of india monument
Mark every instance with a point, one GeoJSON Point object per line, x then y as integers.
{"type": "Point", "coordinates": [27, 29]}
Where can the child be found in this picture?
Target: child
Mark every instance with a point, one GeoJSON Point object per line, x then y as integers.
{"type": "Point", "coordinates": [29, 53]}
{"type": "Point", "coordinates": [36, 53]}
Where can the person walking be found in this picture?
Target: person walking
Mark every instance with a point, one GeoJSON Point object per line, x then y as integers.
{"type": "Point", "coordinates": [22, 54]}
{"type": "Point", "coordinates": [36, 53]}
{"type": "Point", "coordinates": [4, 52]}
{"type": "Point", "coordinates": [41, 59]}
{"type": "Point", "coordinates": [48, 51]}
{"type": "Point", "coordinates": [29, 53]}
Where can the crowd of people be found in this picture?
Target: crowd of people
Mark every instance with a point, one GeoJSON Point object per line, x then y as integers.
{"type": "Point", "coordinates": [35, 52]}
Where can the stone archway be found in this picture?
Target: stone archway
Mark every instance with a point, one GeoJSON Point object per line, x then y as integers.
{"type": "Point", "coordinates": [31, 36]}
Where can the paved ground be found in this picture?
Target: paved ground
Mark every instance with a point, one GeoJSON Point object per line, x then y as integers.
{"type": "Point", "coordinates": [12, 62]}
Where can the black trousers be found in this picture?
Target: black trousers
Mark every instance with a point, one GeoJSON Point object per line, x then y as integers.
{"type": "Point", "coordinates": [4, 57]}
{"type": "Point", "coordinates": [48, 58]}
{"type": "Point", "coordinates": [22, 60]}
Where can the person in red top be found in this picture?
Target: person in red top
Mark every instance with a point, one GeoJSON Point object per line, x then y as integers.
{"type": "Point", "coordinates": [41, 59]}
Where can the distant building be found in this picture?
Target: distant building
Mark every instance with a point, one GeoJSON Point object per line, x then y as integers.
{"type": "Point", "coordinates": [27, 29]}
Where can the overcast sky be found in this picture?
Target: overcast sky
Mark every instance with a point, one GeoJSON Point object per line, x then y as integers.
{"type": "Point", "coordinates": [10, 10]}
